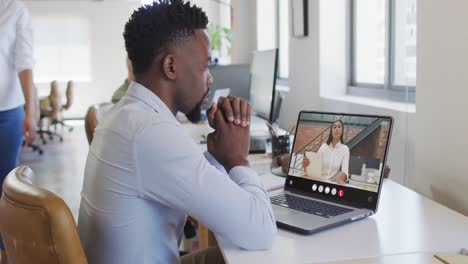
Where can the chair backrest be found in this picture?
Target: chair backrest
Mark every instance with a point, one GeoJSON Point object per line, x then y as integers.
{"type": "Point", "coordinates": [373, 163]}
{"type": "Point", "coordinates": [36, 225]}
{"type": "Point", "coordinates": [92, 118]}
{"type": "Point", "coordinates": [355, 164]}
{"type": "Point", "coordinates": [69, 95]}
{"type": "Point", "coordinates": [37, 105]}
{"type": "Point", "coordinates": [54, 100]}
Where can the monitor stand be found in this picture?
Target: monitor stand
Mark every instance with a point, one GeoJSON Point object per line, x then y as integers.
{"type": "Point", "coordinates": [257, 144]}
{"type": "Point", "coordinates": [258, 134]}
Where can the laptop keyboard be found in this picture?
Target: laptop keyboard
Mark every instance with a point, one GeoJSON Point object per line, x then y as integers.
{"type": "Point", "coordinates": [309, 206]}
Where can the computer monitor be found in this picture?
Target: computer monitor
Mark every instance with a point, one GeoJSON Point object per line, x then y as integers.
{"type": "Point", "coordinates": [262, 83]}
{"type": "Point", "coordinates": [234, 76]}
{"type": "Point", "coordinates": [279, 98]}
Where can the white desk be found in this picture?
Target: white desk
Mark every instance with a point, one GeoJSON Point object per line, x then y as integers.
{"type": "Point", "coordinates": [406, 222]}
{"type": "Point", "coordinates": [258, 128]}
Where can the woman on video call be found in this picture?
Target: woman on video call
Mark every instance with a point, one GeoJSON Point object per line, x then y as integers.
{"type": "Point", "coordinates": [335, 156]}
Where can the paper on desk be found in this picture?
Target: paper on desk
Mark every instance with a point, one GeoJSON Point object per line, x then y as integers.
{"type": "Point", "coordinates": [451, 258]}
{"type": "Point", "coordinates": [271, 181]}
{"type": "Point", "coordinates": [260, 164]}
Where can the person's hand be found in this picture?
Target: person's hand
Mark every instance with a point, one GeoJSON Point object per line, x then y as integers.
{"type": "Point", "coordinates": [236, 110]}
{"type": "Point", "coordinates": [305, 163]}
{"type": "Point", "coordinates": [341, 178]}
{"type": "Point", "coordinates": [210, 114]}
{"type": "Point", "coordinates": [29, 129]}
{"type": "Point", "coordinates": [229, 143]}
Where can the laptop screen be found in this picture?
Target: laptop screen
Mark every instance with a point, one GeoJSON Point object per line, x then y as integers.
{"type": "Point", "coordinates": [340, 156]}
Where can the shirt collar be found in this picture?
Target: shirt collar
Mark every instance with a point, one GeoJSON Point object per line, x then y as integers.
{"type": "Point", "coordinates": [338, 145]}
{"type": "Point", "coordinates": [141, 93]}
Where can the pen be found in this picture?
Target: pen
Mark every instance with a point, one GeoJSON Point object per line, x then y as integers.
{"type": "Point", "coordinates": [271, 129]}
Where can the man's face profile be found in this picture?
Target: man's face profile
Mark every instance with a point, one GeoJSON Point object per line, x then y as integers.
{"type": "Point", "coordinates": [194, 116]}
{"type": "Point", "coordinates": [195, 78]}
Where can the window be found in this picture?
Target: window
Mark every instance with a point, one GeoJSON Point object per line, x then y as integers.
{"type": "Point", "coordinates": [219, 17]}
{"type": "Point", "coordinates": [383, 49]}
{"type": "Point", "coordinates": [62, 49]}
{"type": "Point", "coordinates": [273, 31]}
{"type": "Point", "coordinates": [283, 44]}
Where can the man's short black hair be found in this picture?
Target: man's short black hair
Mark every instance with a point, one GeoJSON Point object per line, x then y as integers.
{"type": "Point", "coordinates": [153, 28]}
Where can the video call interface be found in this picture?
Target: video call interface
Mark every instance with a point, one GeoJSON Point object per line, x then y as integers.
{"type": "Point", "coordinates": [340, 149]}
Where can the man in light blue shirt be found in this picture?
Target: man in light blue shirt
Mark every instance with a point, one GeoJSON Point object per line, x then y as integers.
{"type": "Point", "coordinates": [144, 173]}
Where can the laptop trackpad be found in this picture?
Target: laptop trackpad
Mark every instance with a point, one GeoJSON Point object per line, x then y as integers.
{"type": "Point", "coordinates": [299, 219]}
{"type": "Point", "coordinates": [284, 213]}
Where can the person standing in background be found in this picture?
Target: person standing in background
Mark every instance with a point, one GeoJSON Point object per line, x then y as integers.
{"type": "Point", "coordinates": [17, 93]}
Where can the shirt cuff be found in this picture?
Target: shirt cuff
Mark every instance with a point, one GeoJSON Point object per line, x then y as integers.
{"type": "Point", "coordinates": [214, 162]}
{"type": "Point", "coordinates": [244, 175]}
{"type": "Point", "coordinates": [24, 66]}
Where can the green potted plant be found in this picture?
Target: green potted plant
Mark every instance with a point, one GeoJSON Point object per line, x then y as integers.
{"type": "Point", "coordinates": [217, 34]}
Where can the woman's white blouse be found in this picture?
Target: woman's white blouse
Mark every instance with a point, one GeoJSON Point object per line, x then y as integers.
{"type": "Point", "coordinates": [334, 159]}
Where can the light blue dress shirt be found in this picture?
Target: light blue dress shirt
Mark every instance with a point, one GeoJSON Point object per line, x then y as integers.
{"type": "Point", "coordinates": [144, 174]}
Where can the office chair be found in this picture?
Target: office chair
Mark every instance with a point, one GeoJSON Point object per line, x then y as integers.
{"type": "Point", "coordinates": [58, 120]}
{"type": "Point", "coordinates": [49, 108]}
{"type": "Point", "coordinates": [34, 147]}
{"type": "Point", "coordinates": [36, 225]}
{"type": "Point", "coordinates": [92, 118]}
{"type": "Point", "coordinates": [355, 165]}
{"type": "Point", "coordinates": [69, 96]}
{"type": "Point", "coordinates": [373, 163]}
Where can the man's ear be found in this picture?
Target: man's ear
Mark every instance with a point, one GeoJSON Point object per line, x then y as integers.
{"type": "Point", "coordinates": [169, 67]}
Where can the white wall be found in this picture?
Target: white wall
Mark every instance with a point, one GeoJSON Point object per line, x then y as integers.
{"type": "Point", "coordinates": [442, 117]}
{"type": "Point", "coordinates": [318, 78]}
{"type": "Point", "coordinates": [219, 13]}
{"type": "Point", "coordinates": [244, 27]}
{"type": "Point", "coordinates": [107, 19]}
{"type": "Point", "coordinates": [304, 73]}
{"type": "Point", "coordinates": [333, 48]}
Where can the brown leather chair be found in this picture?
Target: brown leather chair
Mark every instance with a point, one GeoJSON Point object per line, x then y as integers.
{"type": "Point", "coordinates": [69, 96]}
{"type": "Point", "coordinates": [36, 225]}
{"type": "Point", "coordinates": [49, 111]}
{"type": "Point", "coordinates": [92, 118]}
{"type": "Point", "coordinates": [59, 120]}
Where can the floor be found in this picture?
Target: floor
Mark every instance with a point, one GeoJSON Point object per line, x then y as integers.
{"type": "Point", "coordinates": [60, 168]}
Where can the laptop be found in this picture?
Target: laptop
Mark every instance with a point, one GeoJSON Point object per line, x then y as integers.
{"type": "Point", "coordinates": [224, 92]}
{"type": "Point", "coordinates": [312, 202]}
{"type": "Point", "coordinates": [214, 96]}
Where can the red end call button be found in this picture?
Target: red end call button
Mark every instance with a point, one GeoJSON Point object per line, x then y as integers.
{"type": "Point", "coordinates": [341, 193]}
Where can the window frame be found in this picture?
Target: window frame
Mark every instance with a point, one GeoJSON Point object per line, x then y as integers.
{"type": "Point", "coordinates": [281, 80]}
{"type": "Point", "coordinates": [388, 90]}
